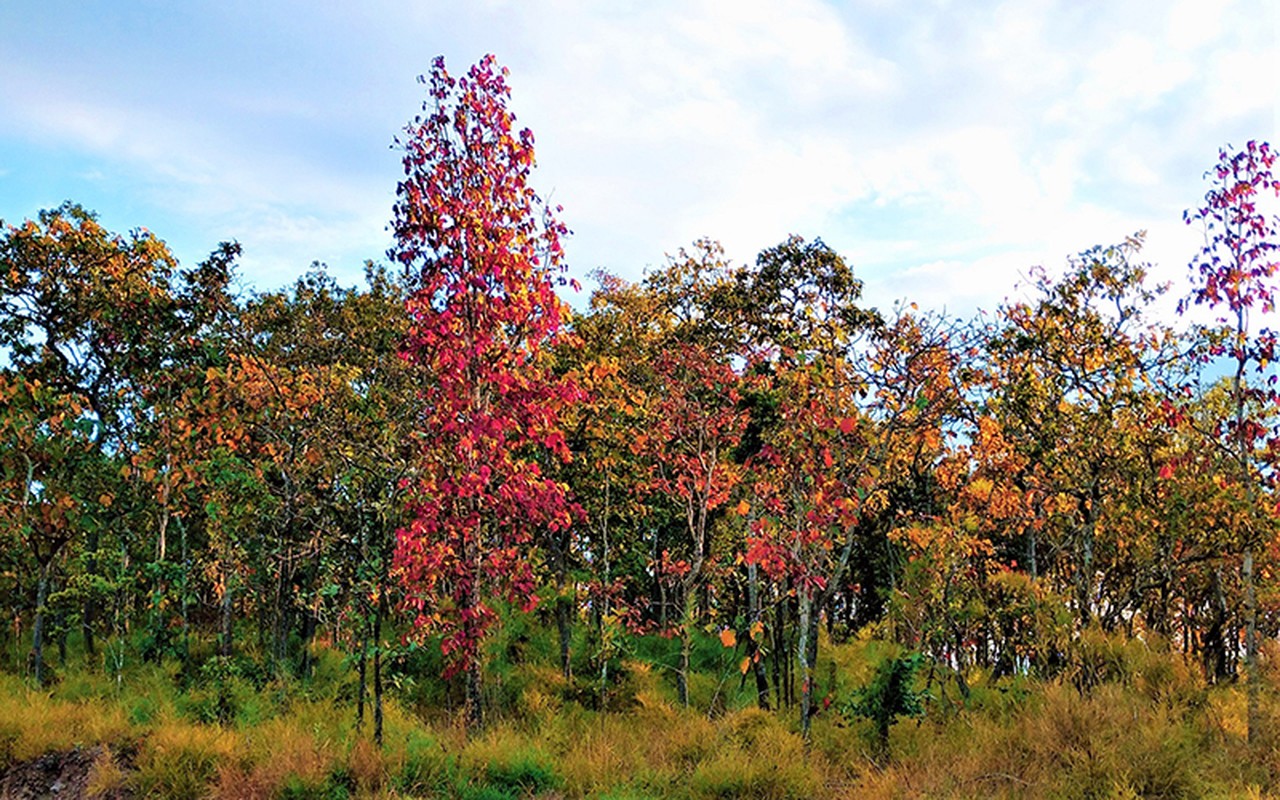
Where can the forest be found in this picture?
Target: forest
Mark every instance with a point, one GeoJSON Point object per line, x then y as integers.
{"type": "Point", "coordinates": [726, 531]}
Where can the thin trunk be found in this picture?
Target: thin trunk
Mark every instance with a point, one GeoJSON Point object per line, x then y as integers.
{"type": "Point", "coordinates": [362, 686]}
{"type": "Point", "coordinates": [37, 635]}
{"type": "Point", "coordinates": [1215, 638]}
{"type": "Point", "coordinates": [475, 697]}
{"type": "Point", "coordinates": [60, 628]}
{"type": "Point", "coordinates": [182, 594]}
{"type": "Point", "coordinates": [1084, 580]}
{"type": "Point", "coordinates": [89, 612]}
{"type": "Point", "coordinates": [1031, 554]}
{"type": "Point", "coordinates": [753, 644]}
{"type": "Point", "coordinates": [604, 610]}
{"type": "Point", "coordinates": [474, 672]}
{"type": "Point", "coordinates": [686, 636]}
{"type": "Point", "coordinates": [163, 528]}
{"type": "Point", "coordinates": [788, 664]}
{"type": "Point", "coordinates": [224, 644]}
{"type": "Point", "coordinates": [659, 584]}
{"type": "Point", "coordinates": [564, 627]}
{"type": "Point", "coordinates": [1254, 714]}
{"type": "Point", "coordinates": [807, 640]}
{"type": "Point", "coordinates": [377, 671]}
{"type": "Point", "coordinates": [280, 619]}
{"type": "Point", "coordinates": [1246, 568]}
{"type": "Point", "coordinates": [364, 629]}
{"type": "Point", "coordinates": [309, 621]}
{"type": "Point", "coordinates": [779, 655]}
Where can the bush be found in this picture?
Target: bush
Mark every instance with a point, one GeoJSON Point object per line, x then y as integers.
{"type": "Point", "coordinates": [890, 694]}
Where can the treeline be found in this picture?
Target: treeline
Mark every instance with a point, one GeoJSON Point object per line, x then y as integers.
{"type": "Point", "coordinates": [738, 450]}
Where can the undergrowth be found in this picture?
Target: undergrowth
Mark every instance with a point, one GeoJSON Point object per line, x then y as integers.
{"type": "Point", "coordinates": [1131, 720]}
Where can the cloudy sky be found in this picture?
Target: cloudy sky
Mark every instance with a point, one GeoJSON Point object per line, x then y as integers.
{"type": "Point", "coordinates": [942, 146]}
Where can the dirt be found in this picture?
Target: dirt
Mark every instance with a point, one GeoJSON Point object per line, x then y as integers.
{"type": "Point", "coordinates": [61, 776]}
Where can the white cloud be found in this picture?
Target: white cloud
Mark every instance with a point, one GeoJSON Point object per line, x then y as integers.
{"type": "Point", "coordinates": [943, 151]}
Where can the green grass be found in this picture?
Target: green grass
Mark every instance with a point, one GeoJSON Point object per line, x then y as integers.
{"type": "Point", "coordinates": [1133, 720]}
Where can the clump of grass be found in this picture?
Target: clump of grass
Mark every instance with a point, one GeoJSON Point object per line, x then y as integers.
{"type": "Point", "coordinates": [284, 751]}
{"type": "Point", "coordinates": [33, 722]}
{"type": "Point", "coordinates": [418, 764]}
{"type": "Point", "coordinates": [366, 767]}
{"type": "Point", "coordinates": [179, 759]}
{"type": "Point", "coordinates": [1109, 742]}
{"type": "Point", "coordinates": [504, 760]}
{"type": "Point", "coordinates": [755, 756]}
{"type": "Point", "coordinates": [106, 775]}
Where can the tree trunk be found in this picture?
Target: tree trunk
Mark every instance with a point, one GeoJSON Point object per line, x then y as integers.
{"type": "Point", "coordinates": [779, 655]}
{"type": "Point", "coordinates": [89, 612]}
{"type": "Point", "coordinates": [603, 611]}
{"type": "Point", "coordinates": [686, 637]}
{"type": "Point", "coordinates": [224, 643]}
{"type": "Point", "coordinates": [753, 644]}
{"type": "Point", "coordinates": [474, 673]}
{"type": "Point", "coordinates": [806, 649]}
{"type": "Point", "coordinates": [564, 607]}
{"type": "Point", "coordinates": [280, 619]}
{"type": "Point", "coordinates": [361, 689]}
{"type": "Point", "coordinates": [475, 696]}
{"type": "Point", "coordinates": [1031, 554]}
{"type": "Point", "coordinates": [1084, 580]}
{"type": "Point", "coordinates": [37, 635]}
{"type": "Point", "coordinates": [1214, 648]}
{"type": "Point", "coordinates": [1251, 646]}
{"type": "Point", "coordinates": [182, 592]}
{"type": "Point", "coordinates": [377, 671]}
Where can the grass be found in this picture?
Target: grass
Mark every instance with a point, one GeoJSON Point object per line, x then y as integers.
{"type": "Point", "coordinates": [1132, 721]}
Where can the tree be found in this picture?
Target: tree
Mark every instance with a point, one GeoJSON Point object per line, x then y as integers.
{"type": "Point", "coordinates": [1234, 274]}
{"type": "Point", "coordinates": [662, 356]}
{"type": "Point", "coordinates": [1071, 385]}
{"type": "Point", "coordinates": [100, 318]}
{"type": "Point", "coordinates": [690, 444]}
{"type": "Point", "coordinates": [481, 252]}
{"type": "Point", "coordinates": [48, 471]}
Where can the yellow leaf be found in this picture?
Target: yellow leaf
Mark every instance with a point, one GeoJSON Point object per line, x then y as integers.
{"type": "Point", "coordinates": [105, 499]}
{"type": "Point", "coordinates": [728, 638]}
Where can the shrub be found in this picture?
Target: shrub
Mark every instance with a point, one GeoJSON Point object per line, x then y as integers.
{"type": "Point", "coordinates": [890, 694]}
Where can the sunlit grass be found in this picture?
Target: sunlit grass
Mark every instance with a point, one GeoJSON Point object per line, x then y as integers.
{"type": "Point", "coordinates": [1133, 719]}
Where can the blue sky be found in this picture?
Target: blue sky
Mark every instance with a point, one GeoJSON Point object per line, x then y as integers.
{"type": "Point", "coordinates": [942, 147]}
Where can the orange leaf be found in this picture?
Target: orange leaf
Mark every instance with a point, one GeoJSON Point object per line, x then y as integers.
{"type": "Point", "coordinates": [728, 638]}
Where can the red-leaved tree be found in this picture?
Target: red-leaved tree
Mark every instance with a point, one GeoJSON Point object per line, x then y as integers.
{"type": "Point", "coordinates": [1235, 274]}
{"type": "Point", "coordinates": [482, 253]}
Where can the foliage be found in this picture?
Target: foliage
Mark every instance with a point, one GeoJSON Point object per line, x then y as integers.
{"type": "Point", "coordinates": [234, 526]}
{"type": "Point", "coordinates": [483, 311]}
{"type": "Point", "coordinates": [890, 694]}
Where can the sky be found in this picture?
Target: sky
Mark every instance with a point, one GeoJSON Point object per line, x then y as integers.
{"type": "Point", "coordinates": [942, 147]}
